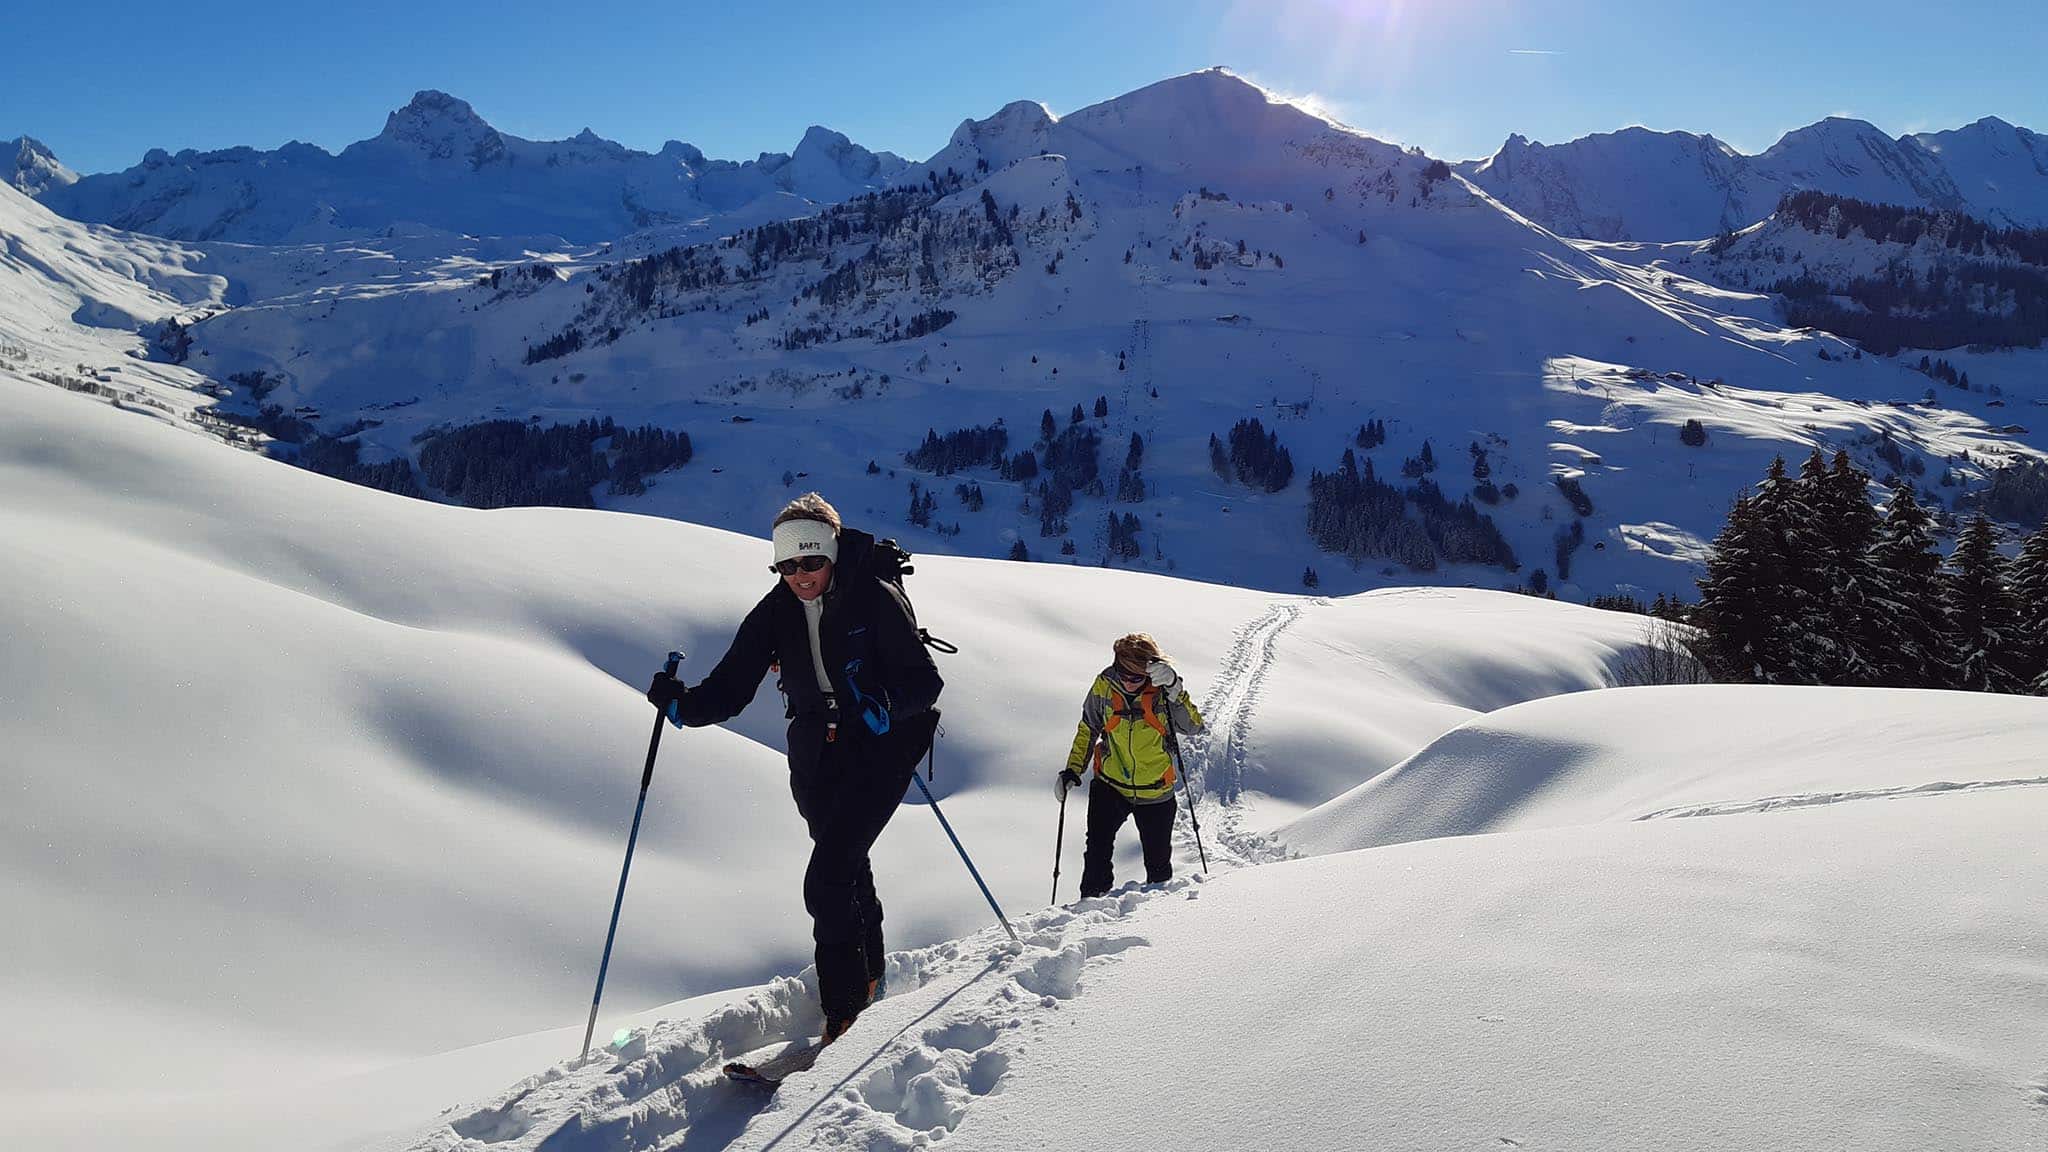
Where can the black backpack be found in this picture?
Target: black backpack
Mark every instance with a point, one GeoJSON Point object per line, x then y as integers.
{"type": "Point", "coordinates": [891, 565]}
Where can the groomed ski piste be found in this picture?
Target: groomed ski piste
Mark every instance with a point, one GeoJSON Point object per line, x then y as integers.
{"type": "Point", "coordinates": [316, 798]}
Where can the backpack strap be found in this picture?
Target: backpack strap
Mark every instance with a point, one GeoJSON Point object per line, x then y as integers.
{"type": "Point", "coordinates": [892, 564]}
{"type": "Point", "coordinates": [1135, 708]}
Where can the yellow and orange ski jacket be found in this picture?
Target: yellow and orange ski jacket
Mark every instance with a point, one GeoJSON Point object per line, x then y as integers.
{"type": "Point", "coordinates": [1124, 737]}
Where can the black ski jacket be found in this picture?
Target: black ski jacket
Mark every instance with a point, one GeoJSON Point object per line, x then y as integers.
{"type": "Point", "coordinates": [884, 683]}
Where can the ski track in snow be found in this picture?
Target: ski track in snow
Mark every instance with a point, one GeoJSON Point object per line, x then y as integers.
{"type": "Point", "coordinates": [1818, 799]}
{"type": "Point", "coordinates": [664, 1087]}
{"type": "Point", "coordinates": [1220, 759]}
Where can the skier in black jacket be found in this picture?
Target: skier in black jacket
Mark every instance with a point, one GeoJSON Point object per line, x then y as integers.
{"type": "Point", "coordinates": [861, 690]}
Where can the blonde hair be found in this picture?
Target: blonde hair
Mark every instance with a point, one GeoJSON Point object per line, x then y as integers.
{"type": "Point", "coordinates": [1139, 647]}
{"type": "Point", "coordinates": [809, 506]}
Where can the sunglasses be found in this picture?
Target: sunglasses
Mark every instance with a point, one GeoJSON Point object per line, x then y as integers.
{"type": "Point", "coordinates": [794, 564]}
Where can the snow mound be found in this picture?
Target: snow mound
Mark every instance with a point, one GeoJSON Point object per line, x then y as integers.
{"type": "Point", "coordinates": [1645, 753]}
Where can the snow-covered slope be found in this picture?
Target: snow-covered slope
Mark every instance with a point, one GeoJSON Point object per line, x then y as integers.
{"type": "Point", "coordinates": [1849, 967]}
{"type": "Point", "coordinates": [1641, 185]}
{"type": "Point", "coordinates": [1649, 753]}
{"type": "Point", "coordinates": [76, 301]}
{"type": "Point", "coordinates": [1854, 158]}
{"type": "Point", "coordinates": [321, 794]}
{"type": "Point", "coordinates": [1892, 279]}
{"type": "Point", "coordinates": [314, 785]}
{"type": "Point", "coordinates": [1631, 184]}
{"type": "Point", "coordinates": [1998, 168]}
{"type": "Point", "coordinates": [60, 272]}
{"type": "Point", "coordinates": [438, 165]}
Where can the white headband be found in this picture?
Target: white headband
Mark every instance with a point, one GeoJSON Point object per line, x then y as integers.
{"type": "Point", "coordinates": [794, 538]}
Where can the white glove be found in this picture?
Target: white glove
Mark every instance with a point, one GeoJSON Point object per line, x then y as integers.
{"type": "Point", "coordinates": [1068, 778]}
{"type": "Point", "coordinates": [1163, 676]}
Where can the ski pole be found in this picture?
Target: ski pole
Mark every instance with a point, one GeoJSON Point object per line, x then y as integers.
{"type": "Point", "coordinates": [1058, 843]}
{"type": "Point", "coordinates": [646, 778]}
{"type": "Point", "coordinates": [971, 869]}
{"type": "Point", "coordinates": [1187, 785]}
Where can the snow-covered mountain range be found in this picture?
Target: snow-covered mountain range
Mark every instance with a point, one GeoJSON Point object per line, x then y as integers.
{"type": "Point", "coordinates": [438, 165]}
{"type": "Point", "coordinates": [1637, 184]}
{"type": "Point", "coordinates": [1159, 268]}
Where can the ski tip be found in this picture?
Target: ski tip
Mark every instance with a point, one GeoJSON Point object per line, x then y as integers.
{"type": "Point", "coordinates": [748, 1074]}
{"type": "Point", "coordinates": [774, 1070]}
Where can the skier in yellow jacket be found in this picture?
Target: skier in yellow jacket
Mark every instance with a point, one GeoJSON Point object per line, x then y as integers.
{"type": "Point", "coordinates": [1128, 724]}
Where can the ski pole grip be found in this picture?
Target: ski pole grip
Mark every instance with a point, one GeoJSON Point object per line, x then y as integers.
{"type": "Point", "coordinates": [672, 715]}
{"type": "Point", "coordinates": [675, 711]}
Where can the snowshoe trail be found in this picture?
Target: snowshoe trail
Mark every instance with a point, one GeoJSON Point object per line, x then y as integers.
{"type": "Point", "coordinates": [1817, 799]}
{"type": "Point", "coordinates": [960, 1016]}
{"type": "Point", "coordinates": [1220, 761]}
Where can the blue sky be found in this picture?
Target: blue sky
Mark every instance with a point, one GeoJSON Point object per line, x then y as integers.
{"type": "Point", "coordinates": [102, 82]}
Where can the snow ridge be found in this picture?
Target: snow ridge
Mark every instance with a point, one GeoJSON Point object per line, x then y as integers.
{"type": "Point", "coordinates": [439, 166]}
{"type": "Point", "coordinates": [1643, 185]}
{"type": "Point", "coordinates": [32, 168]}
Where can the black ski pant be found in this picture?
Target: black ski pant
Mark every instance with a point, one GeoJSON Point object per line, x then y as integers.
{"type": "Point", "coordinates": [1107, 809]}
{"type": "Point", "coordinates": [846, 798]}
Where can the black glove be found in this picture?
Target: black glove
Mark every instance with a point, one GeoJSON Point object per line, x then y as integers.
{"type": "Point", "coordinates": [1068, 779]}
{"type": "Point", "coordinates": [665, 690]}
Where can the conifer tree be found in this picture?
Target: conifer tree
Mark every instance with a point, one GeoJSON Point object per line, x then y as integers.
{"type": "Point", "coordinates": [2030, 588]}
{"type": "Point", "coordinates": [1912, 612]}
{"type": "Point", "coordinates": [1850, 583]}
{"type": "Point", "coordinates": [1736, 610]}
{"type": "Point", "coordinates": [1984, 615]}
{"type": "Point", "coordinates": [1807, 649]}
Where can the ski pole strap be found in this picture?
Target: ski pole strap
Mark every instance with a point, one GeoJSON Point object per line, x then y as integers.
{"type": "Point", "coordinates": [936, 644]}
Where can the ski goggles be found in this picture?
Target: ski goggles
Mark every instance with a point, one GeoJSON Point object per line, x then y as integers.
{"type": "Point", "coordinates": [795, 564]}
